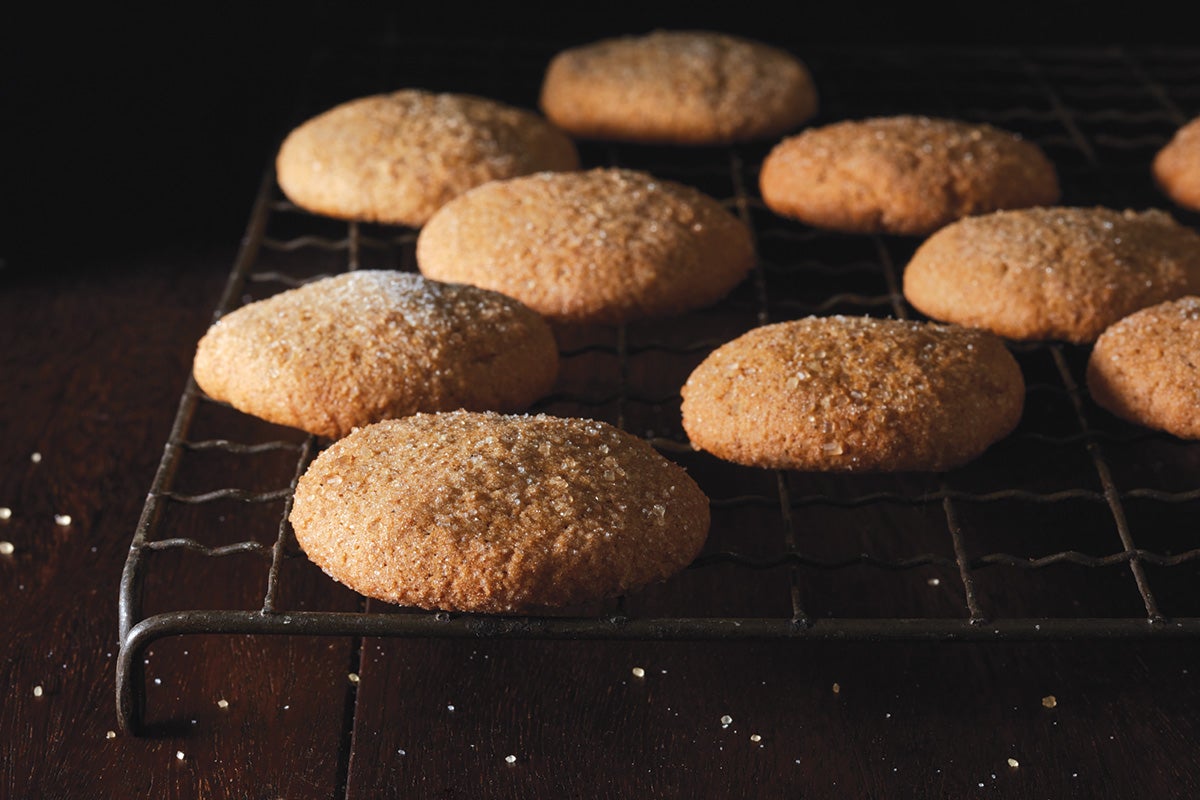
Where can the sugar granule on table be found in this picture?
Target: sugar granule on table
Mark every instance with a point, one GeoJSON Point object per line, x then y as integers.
{"type": "Point", "coordinates": [222, 703]}
{"type": "Point", "coordinates": [179, 755]}
{"type": "Point", "coordinates": [62, 519]}
{"type": "Point", "coordinates": [353, 677]}
{"type": "Point", "coordinates": [5, 512]}
{"type": "Point", "coordinates": [638, 672]}
{"type": "Point", "coordinates": [1049, 701]}
{"type": "Point", "coordinates": [6, 548]}
{"type": "Point", "coordinates": [511, 759]}
{"type": "Point", "coordinates": [37, 691]}
{"type": "Point", "coordinates": [1012, 762]}
{"type": "Point", "coordinates": [35, 457]}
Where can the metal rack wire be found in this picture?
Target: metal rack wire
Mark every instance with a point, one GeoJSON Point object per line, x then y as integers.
{"type": "Point", "coordinates": [1087, 520]}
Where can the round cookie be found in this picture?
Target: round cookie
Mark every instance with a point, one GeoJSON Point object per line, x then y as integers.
{"type": "Point", "coordinates": [1052, 273]}
{"type": "Point", "coordinates": [357, 348]}
{"type": "Point", "coordinates": [396, 158]}
{"type": "Point", "coordinates": [904, 175]}
{"type": "Point", "coordinates": [677, 87]}
{"type": "Point", "coordinates": [854, 394]}
{"type": "Point", "coordinates": [483, 512]}
{"type": "Point", "coordinates": [604, 246]}
{"type": "Point", "coordinates": [1176, 167]}
{"type": "Point", "coordinates": [1146, 368]}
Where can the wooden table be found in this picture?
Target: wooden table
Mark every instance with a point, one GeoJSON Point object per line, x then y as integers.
{"type": "Point", "coordinates": [96, 338]}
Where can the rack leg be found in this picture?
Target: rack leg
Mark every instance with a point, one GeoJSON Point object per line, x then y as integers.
{"type": "Point", "coordinates": [131, 686]}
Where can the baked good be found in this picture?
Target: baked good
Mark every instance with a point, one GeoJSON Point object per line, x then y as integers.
{"type": "Point", "coordinates": [364, 346]}
{"type": "Point", "coordinates": [905, 175]}
{"type": "Point", "coordinates": [1176, 167]}
{"type": "Point", "coordinates": [677, 87]}
{"type": "Point", "coordinates": [1146, 368]}
{"type": "Point", "coordinates": [1052, 273]}
{"type": "Point", "coordinates": [396, 158]}
{"type": "Point", "coordinates": [607, 245]}
{"type": "Point", "coordinates": [484, 512]}
{"type": "Point", "coordinates": [854, 394]}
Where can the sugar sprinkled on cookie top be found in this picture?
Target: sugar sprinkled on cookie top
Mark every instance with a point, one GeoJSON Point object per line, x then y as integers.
{"type": "Point", "coordinates": [907, 175]}
{"type": "Point", "coordinates": [486, 512]}
{"type": "Point", "coordinates": [875, 394]}
{"type": "Point", "coordinates": [369, 345]}
{"type": "Point", "coordinates": [1052, 273]}
{"type": "Point", "coordinates": [606, 245]}
{"type": "Point", "coordinates": [398, 157]}
{"type": "Point", "coordinates": [677, 87]}
{"type": "Point", "coordinates": [1144, 368]}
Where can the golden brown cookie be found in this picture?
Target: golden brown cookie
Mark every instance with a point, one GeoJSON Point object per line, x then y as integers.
{"type": "Point", "coordinates": [357, 348]}
{"type": "Point", "coordinates": [677, 87]}
{"type": "Point", "coordinates": [854, 394]}
{"type": "Point", "coordinates": [1052, 273]}
{"type": "Point", "coordinates": [1146, 368]}
{"type": "Point", "coordinates": [483, 512]}
{"type": "Point", "coordinates": [903, 175]}
{"type": "Point", "coordinates": [1176, 167]}
{"type": "Point", "coordinates": [397, 158]}
{"type": "Point", "coordinates": [607, 245]}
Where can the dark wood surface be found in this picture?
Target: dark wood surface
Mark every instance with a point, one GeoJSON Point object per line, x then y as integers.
{"type": "Point", "coordinates": [98, 325]}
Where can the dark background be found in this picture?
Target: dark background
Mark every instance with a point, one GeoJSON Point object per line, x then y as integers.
{"type": "Point", "coordinates": [133, 129]}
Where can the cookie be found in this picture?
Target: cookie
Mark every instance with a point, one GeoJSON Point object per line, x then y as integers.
{"type": "Point", "coordinates": [677, 87]}
{"type": "Point", "coordinates": [396, 158]}
{"type": "Point", "coordinates": [903, 175]}
{"type": "Point", "coordinates": [607, 246]}
{"type": "Point", "coordinates": [483, 512]}
{"type": "Point", "coordinates": [847, 394]}
{"type": "Point", "coordinates": [1052, 273]}
{"type": "Point", "coordinates": [1146, 368]}
{"type": "Point", "coordinates": [357, 348]}
{"type": "Point", "coordinates": [1176, 167]}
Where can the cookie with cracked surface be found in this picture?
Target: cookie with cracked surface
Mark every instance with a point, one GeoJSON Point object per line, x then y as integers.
{"type": "Point", "coordinates": [843, 394]}
{"type": "Point", "coordinates": [1052, 273]}
{"type": "Point", "coordinates": [905, 175]}
{"type": "Point", "coordinates": [677, 87]}
{"type": "Point", "coordinates": [1146, 368]}
{"type": "Point", "coordinates": [396, 158]}
{"type": "Point", "coordinates": [484, 512]}
{"type": "Point", "coordinates": [1176, 167]}
{"type": "Point", "coordinates": [603, 246]}
{"type": "Point", "coordinates": [365, 346]}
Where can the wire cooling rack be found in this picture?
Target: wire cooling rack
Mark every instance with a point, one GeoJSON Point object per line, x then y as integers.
{"type": "Point", "coordinates": [1076, 526]}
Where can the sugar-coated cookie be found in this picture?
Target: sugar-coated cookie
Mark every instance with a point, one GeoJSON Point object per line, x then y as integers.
{"type": "Point", "coordinates": [484, 512]}
{"type": "Point", "coordinates": [396, 158]}
{"type": "Point", "coordinates": [854, 394]}
{"type": "Point", "coordinates": [1052, 273]}
{"type": "Point", "coordinates": [903, 175]}
{"type": "Point", "coordinates": [1176, 168]}
{"type": "Point", "coordinates": [357, 348]}
{"type": "Point", "coordinates": [606, 246]}
{"type": "Point", "coordinates": [677, 87]}
{"type": "Point", "coordinates": [1146, 368]}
